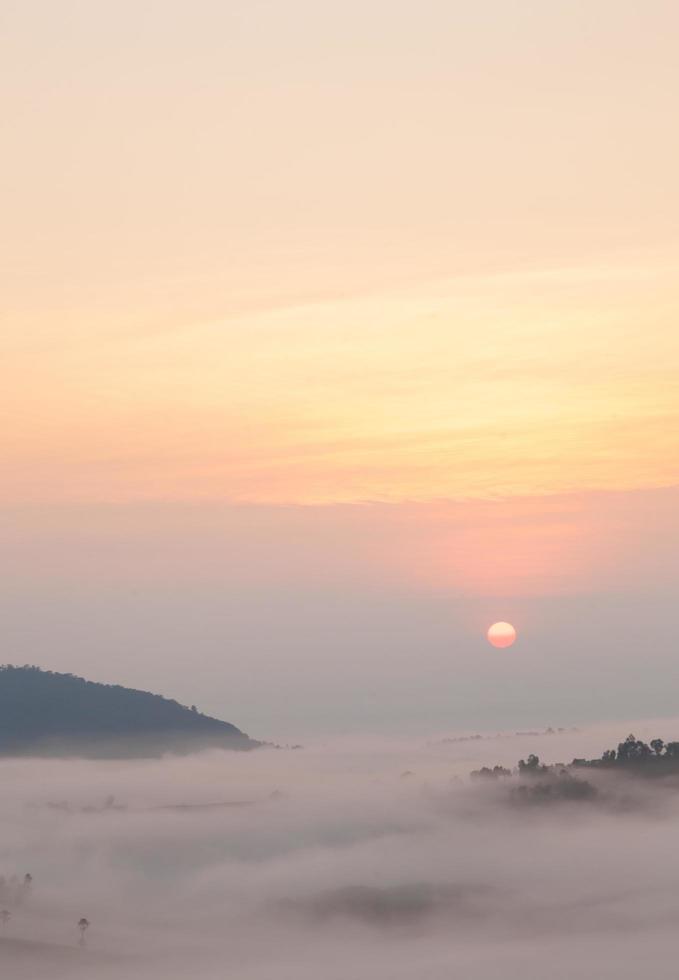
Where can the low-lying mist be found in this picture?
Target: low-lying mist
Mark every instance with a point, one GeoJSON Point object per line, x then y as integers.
{"type": "Point", "coordinates": [367, 858]}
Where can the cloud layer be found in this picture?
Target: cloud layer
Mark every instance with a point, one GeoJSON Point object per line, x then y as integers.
{"type": "Point", "coordinates": [332, 862]}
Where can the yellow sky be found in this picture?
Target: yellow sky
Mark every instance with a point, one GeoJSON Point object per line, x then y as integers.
{"type": "Point", "coordinates": [322, 253]}
{"type": "Point", "coordinates": [476, 387]}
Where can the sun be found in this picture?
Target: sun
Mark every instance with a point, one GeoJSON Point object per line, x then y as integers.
{"type": "Point", "coordinates": [501, 634]}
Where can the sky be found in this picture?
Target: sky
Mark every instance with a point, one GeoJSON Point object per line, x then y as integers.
{"type": "Point", "coordinates": [332, 333]}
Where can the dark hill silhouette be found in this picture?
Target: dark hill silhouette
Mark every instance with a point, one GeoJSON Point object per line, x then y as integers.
{"type": "Point", "coordinates": [46, 713]}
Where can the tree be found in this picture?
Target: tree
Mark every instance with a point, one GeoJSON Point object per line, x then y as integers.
{"type": "Point", "coordinates": [497, 772]}
{"type": "Point", "coordinates": [633, 750]}
{"type": "Point", "coordinates": [5, 916]}
{"type": "Point", "coordinates": [657, 745]}
{"type": "Point", "coordinates": [83, 926]}
{"type": "Point", "coordinates": [531, 766]}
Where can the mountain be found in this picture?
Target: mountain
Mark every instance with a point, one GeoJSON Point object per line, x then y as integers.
{"type": "Point", "coordinates": [43, 713]}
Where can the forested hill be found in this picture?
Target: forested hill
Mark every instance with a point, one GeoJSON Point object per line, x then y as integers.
{"type": "Point", "coordinates": [45, 713]}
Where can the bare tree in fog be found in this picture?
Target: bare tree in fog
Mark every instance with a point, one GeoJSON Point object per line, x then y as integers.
{"type": "Point", "coordinates": [83, 926]}
{"type": "Point", "coordinates": [5, 916]}
{"type": "Point", "coordinates": [23, 890]}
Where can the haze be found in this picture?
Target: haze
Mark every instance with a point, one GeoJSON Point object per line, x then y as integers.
{"type": "Point", "coordinates": [333, 333]}
{"type": "Point", "coordinates": [324, 863]}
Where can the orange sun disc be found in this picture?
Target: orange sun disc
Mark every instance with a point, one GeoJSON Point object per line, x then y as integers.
{"type": "Point", "coordinates": [501, 634]}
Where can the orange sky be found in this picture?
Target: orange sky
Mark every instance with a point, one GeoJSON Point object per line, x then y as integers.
{"type": "Point", "coordinates": [316, 254]}
{"type": "Point", "coordinates": [470, 387]}
{"type": "Point", "coordinates": [332, 332]}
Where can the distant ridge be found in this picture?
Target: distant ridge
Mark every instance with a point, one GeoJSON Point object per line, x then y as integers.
{"type": "Point", "coordinates": [43, 713]}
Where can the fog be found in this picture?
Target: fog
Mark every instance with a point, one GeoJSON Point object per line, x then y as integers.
{"type": "Point", "coordinates": [347, 859]}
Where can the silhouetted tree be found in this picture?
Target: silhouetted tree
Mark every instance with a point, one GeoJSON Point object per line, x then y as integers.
{"type": "Point", "coordinates": [83, 926]}
{"type": "Point", "coordinates": [531, 766]}
{"type": "Point", "coordinates": [497, 772]}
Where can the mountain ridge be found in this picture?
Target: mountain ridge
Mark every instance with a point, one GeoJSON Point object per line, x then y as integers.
{"type": "Point", "coordinates": [47, 713]}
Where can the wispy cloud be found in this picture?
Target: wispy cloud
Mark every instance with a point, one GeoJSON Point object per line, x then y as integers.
{"type": "Point", "coordinates": [560, 380]}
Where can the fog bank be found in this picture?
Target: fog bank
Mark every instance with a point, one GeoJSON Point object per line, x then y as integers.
{"type": "Point", "coordinates": [362, 859]}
